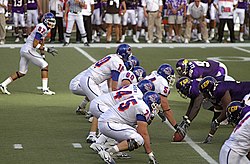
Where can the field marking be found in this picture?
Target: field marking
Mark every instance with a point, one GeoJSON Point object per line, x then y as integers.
{"type": "Point", "coordinates": [77, 145]}
{"type": "Point", "coordinates": [141, 45]}
{"type": "Point", "coordinates": [194, 145]}
{"type": "Point", "coordinates": [197, 148]}
{"type": "Point", "coordinates": [85, 54]}
{"type": "Point", "coordinates": [18, 146]}
{"type": "Point", "coordinates": [241, 49]}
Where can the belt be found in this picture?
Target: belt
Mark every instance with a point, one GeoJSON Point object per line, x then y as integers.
{"type": "Point", "coordinates": [75, 12]}
{"type": "Point", "coordinates": [152, 11]}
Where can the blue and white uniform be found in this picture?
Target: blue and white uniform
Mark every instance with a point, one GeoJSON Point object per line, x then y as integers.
{"type": "Point", "coordinates": [28, 52]}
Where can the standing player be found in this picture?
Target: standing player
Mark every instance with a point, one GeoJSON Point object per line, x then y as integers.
{"type": "Point", "coordinates": [28, 53]}
{"type": "Point", "coordinates": [87, 83]}
{"type": "Point", "coordinates": [130, 14]}
{"type": "Point", "coordinates": [33, 7]}
{"type": "Point", "coordinates": [237, 147]}
{"type": "Point", "coordinates": [200, 69]}
{"type": "Point", "coordinates": [18, 17]}
{"type": "Point", "coordinates": [163, 79]}
{"type": "Point", "coordinates": [119, 123]}
{"type": "Point", "coordinates": [97, 19]}
{"type": "Point", "coordinates": [74, 10]}
{"type": "Point", "coordinates": [141, 22]}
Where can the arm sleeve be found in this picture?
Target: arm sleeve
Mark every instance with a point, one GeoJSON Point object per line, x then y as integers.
{"type": "Point", "coordinates": [115, 75]}
{"type": "Point", "coordinates": [38, 36]}
{"type": "Point", "coordinates": [140, 117]}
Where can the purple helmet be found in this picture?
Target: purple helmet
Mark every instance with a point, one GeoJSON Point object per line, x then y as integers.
{"type": "Point", "coordinates": [183, 86]}
{"type": "Point", "coordinates": [234, 110]}
{"type": "Point", "coordinates": [182, 67]}
{"type": "Point", "coordinates": [207, 86]}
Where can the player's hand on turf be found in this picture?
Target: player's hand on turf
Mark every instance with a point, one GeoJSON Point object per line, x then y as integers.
{"type": "Point", "coordinates": [208, 139]}
{"type": "Point", "coordinates": [52, 51]}
{"type": "Point", "coordinates": [152, 159]}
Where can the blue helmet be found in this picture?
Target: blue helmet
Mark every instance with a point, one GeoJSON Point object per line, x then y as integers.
{"type": "Point", "coordinates": [182, 67]}
{"type": "Point", "coordinates": [146, 85]}
{"type": "Point", "coordinates": [166, 71]}
{"type": "Point", "coordinates": [183, 86]}
{"type": "Point", "coordinates": [139, 72]}
{"type": "Point", "coordinates": [124, 51]}
{"type": "Point", "coordinates": [134, 60]}
{"type": "Point", "coordinates": [131, 63]}
{"type": "Point", "coordinates": [207, 86]}
{"type": "Point", "coordinates": [234, 110]}
{"type": "Point", "coordinates": [152, 99]}
{"type": "Point", "coordinates": [49, 20]}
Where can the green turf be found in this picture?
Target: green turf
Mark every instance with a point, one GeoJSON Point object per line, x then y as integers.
{"type": "Point", "coordinates": [46, 126]}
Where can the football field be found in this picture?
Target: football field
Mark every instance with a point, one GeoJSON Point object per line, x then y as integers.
{"type": "Point", "coordinates": [40, 129]}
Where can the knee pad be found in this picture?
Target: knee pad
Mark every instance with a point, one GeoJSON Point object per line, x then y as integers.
{"type": "Point", "coordinates": [132, 144]}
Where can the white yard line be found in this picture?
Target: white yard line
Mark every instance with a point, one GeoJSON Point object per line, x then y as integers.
{"type": "Point", "coordinates": [197, 148]}
{"type": "Point", "coordinates": [142, 45]}
{"type": "Point", "coordinates": [194, 145]}
{"type": "Point", "coordinates": [242, 49]}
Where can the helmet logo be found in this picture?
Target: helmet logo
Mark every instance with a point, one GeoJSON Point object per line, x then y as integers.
{"type": "Point", "coordinates": [148, 86]}
{"type": "Point", "coordinates": [232, 109]}
{"type": "Point", "coordinates": [205, 84]}
{"type": "Point", "coordinates": [184, 81]}
{"type": "Point", "coordinates": [185, 61]}
{"type": "Point", "coordinates": [167, 71]}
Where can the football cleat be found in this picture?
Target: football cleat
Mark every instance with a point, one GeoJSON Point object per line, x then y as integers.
{"type": "Point", "coordinates": [80, 111]}
{"type": "Point", "coordinates": [65, 44]}
{"type": "Point", "coordinates": [97, 147]}
{"type": "Point", "coordinates": [4, 90]}
{"type": "Point", "coordinates": [106, 157]}
{"type": "Point", "coordinates": [91, 139]}
{"type": "Point", "coordinates": [48, 92]}
{"type": "Point", "coordinates": [86, 44]}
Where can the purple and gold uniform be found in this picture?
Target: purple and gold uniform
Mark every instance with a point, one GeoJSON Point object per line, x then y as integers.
{"type": "Point", "coordinates": [18, 6]}
{"type": "Point", "coordinates": [32, 13]}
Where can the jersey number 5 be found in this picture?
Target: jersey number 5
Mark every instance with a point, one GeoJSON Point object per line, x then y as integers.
{"type": "Point", "coordinates": [124, 106]}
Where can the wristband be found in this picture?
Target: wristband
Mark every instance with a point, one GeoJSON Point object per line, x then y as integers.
{"type": "Point", "coordinates": [151, 154]}
{"type": "Point", "coordinates": [38, 46]}
{"type": "Point", "coordinates": [45, 49]}
{"type": "Point", "coordinates": [210, 135]}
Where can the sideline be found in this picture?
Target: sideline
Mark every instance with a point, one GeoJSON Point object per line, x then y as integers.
{"type": "Point", "coordinates": [142, 45]}
{"type": "Point", "coordinates": [189, 141]}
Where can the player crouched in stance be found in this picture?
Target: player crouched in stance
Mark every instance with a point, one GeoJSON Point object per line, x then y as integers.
{"type": "Point", "coordinates": [120, 120]}
{"type": "Point", "coordinates": [236, 149]}
{"type": "Point", "coordinates": [28, 53]}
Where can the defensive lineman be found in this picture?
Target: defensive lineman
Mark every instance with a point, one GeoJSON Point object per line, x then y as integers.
{"type": "Point", "coordinates": [74, 8]}
{"type": "Point", "coordinates": [28, 54]}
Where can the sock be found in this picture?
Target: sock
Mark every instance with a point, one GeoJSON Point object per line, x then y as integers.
{"type": "Point", "coordinates": [83, 104]}
{"type": "Point", "coordinates": [138, 34]}
{"type": "Point", "coordinates": [92, 133]}
{"type": "Point", "coordinates": [113, 149]}
{"type": "Point", "coordinates": [45, 83]}
{"type": "Point", "coordinates": [241, 34]}
{"type": "Point", "coordinates": [101, 139]}
{"type": "Point", "coordinates": [7, 81]}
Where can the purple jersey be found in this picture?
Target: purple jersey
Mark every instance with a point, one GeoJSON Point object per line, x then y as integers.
{"type": "Point", "coordinates": [139, 4]}
{"type": "Point", "coordinates": [97, 4]}
{"type": "Point", "coordinates": [200, 69]}
{"type": "Point", "coordinates": [194, 89]}
{"type": "Point", "coordinates": [175, 5]}
{"type": "Point", "coordinates": [31, 4]}
{"type": "Point", "coordinates": [18, 6]}
{"type": "Point", "coordinates": [242, 4]}
{"type": "Point", "coordinates": [131, 4]}
{"type": "Point", "coordinates": [236, 89]}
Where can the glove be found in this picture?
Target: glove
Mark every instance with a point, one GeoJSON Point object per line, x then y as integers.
{"type": "Point", "coordinates": [152, 159]}
{"type": "Point", "coordinates": [51, 50]}
{"type": "Point", "coordinates": [162, 116]}
{"type": "Point", "coordinates": [183, 126]}
{"type": "Point", "coordinates": [208, 139]}
{"type": "Point", "coordinates": [214, 125]}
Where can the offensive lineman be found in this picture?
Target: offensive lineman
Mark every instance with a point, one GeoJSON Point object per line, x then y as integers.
{"type": "Point", "coordinates": [74, 8]}
{"type": "Point", "coordinates": [28, 53]}
{"type": "Point", "coordinates": [119, 123]}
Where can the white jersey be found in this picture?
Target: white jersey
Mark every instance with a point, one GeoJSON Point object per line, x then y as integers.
{"type": "Point", "coordinates": [102, 69]}
{"type": "Point", "coordinates": [115, 97]}
{"type": "Point", "coordinates": [239, 140]}
{"type": "Point", "coordinates": [126, 75]}
{"type": "Point", "coordinates": [127, 112]}
{"type": "Point", "coordinates": [160, 83]}
{"type": "Point", "coordinates": [40, 30]}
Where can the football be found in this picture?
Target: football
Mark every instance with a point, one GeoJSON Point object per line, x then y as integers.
{"type": "Point", "coordinates": [178, 137]}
